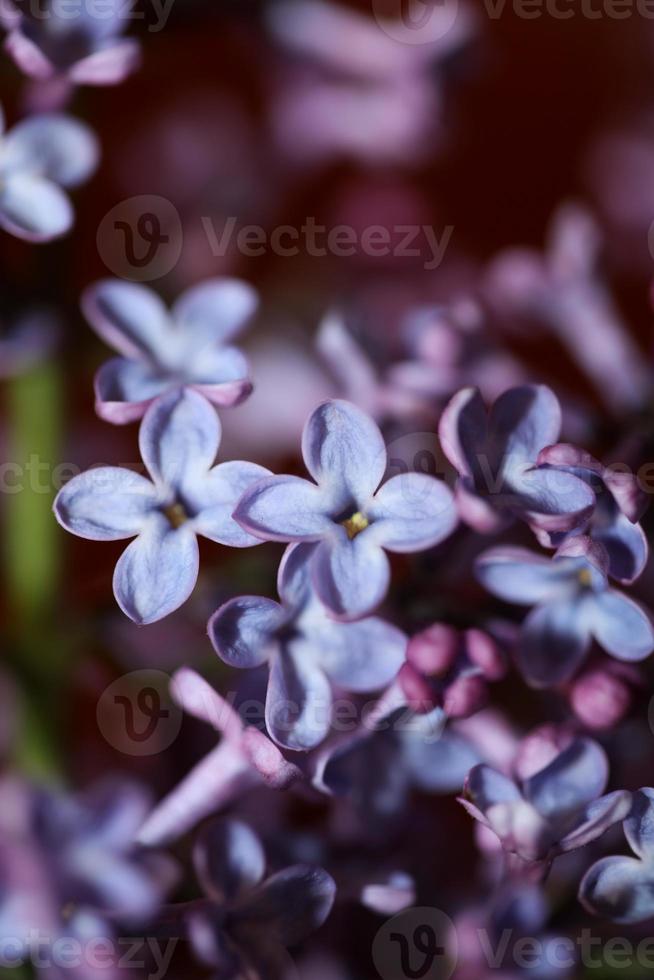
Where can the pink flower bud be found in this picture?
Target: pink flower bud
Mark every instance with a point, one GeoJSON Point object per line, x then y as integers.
{"type": "Point", "coordinates": [434, 650]}
{"type": "Point", "coordinates": [464, 696]}
{"type": "Point", "coordinates": [484, 653]}
{"type": "Point", "coordinates": [539, 748]}
{"type": "Point", "coordinates": [600, 698]}
{"type": "Point", "coordinates": [421, 696]}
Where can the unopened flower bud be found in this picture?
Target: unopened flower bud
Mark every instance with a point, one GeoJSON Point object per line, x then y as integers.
{"type": "Point", "coordinates": [434, 650]}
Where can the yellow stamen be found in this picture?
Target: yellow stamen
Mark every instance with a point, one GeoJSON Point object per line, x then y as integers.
{"type": "Point", "coordinates": [176, 515]}
{"type": "Point", "coordinates": [355, 524]}
{"type": "Point", "coordinates": [585, 577]}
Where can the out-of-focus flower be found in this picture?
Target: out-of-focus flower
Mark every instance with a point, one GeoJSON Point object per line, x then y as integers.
{"type": "Point", "coordinates": [614, 522]}
{"type": "Point", "coordinates": [83, 46]}
{"type": "Point", "coordinates": [38, 158]}
{"type": "Point", "coordinates": [161, 350]}
{"type": "Point", "coordinates": [65, 858]}
{"type": "Point", "coordinates": [556, 809]}
{"type": "Point", "coordinates": [496, 456]}
{"type": "Point", "coordinates": [344, 513]}
{"type": "Point", "coordinates": [622, 888]}
{"type": "Point", "coordinates": [573, 605]}
{"type": "Point", "coordinates": [308, 653]}
{"type": "Point", "coordinates": [28, 340]}
{"type": "Point", "coordinates": [361, 89]}
{"type": "Point", "coordinates": [450, 670]}
{"type": "Point", "coordinates": [179, 438]}
{"type": "Point", "coordinates": [602, 694]}
{"type": "Point", "coordinates": [247, 921]}
{"type": "Point", "coordinates": [563, 291]}
{"type": "Point", "coordinates": [244, 759]}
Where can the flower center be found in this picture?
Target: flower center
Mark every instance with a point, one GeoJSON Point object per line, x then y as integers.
{"type": "Point", "coordinates": [175, 514]}
{"type": "Point", "coordinates": [585, 578]}
{"type": "Point", "coordinates": [355, 524]}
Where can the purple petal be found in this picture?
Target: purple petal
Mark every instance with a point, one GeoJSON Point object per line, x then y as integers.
{"type": "Point", "coordinates": [554, 640]}
{"type": "Point", "coordinates": [179, 439]}
{"type": "Point", "coordinates": [34, 208]}
{"type": "Point", "coordinates": [284, 508]}
{"type": "Point", "coordinates": [639, 825]}
{"type": "Point", "coordinates": [218, 780]}
{"type": "Point", "coordinates": [53, 146]}
{"type": "Point", "coordinates": [553, 499]}
{"type": "Point", "coordinates": [292, 903]}
{"type": "Point", "coordinates": [522, 422]}
{"type": "Point", "coordinates": [571, 782]}
{"type": "Point", "coordinates": [216, 310]}
{"type": "Point", "coordinates": [440, 766]}
{"type": "Point", "coordinates": [129, 317]}
{"type": "Point", "coordinates": [463, 431]}
{"type": "Point", "coordinates": [28, 56]}
{"type": "Point", "coordinates": [521, 576]}
{"type": "Point", "coordinates": [243, 629]}
{"type": "Point", "coordinates": [228, 859]}
{"type": "Point", "coordinates": [124, 389]}
{"type": "Point", "coordinates": [343, 447]}
{"type": "Point", "coordinates": [225, 394]}
{"type": "Point", "coordinates": [197, 698]}
{"type": "Point", "coordinates": [597, 818]}
{"type": "Point", "coordinates": [626, 546]}
{"type": "Point", "coordinates": [298, 702]}
{"type": "Point", "coordinates": [619, 889]}
{"type": "Point", "coordinates": [105, 504]}
{"type": "Point", "coordinates": [108, 66]}
{"type": "Point", "coordinates": [351, 577]}
{"type": "Point", "coordinates": [363, 656]}
{"type": "Point", "coordinates": [157, 572]}
{"type": "Point", "coordinates": [294, 575]}
{"type": "Point", "coordinates": [214, 497]}
{"type": "Point", "coordinates": [486, 788]}
{"type": "Point", "coordinates": [621, 626]}
{"type": "Point", "coordinates": [411, 512]}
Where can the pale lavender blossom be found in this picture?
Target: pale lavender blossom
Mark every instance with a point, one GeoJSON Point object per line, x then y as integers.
{"type": "Point", "coordinates": [185, 497]}
{"type": "Point", "coordinates": [622, 888]}
{"type": "Point", "coordinates": [308, 653]}
{"type": "Point", "coordinates": [554, 809]}
{"type": "Point", "coordinates": [496, 455]}
{"type": "Point", "coordinates": [563, 291]}
{"type": "Point", "coordinates": [40, 157]}
{"type": "Point", "coordinates": [573, 606]}
{"type": "Point", "coordinates": [247, 920]}
{"type": "Point", "coordinates": [188, 346]}
{"type": "Point", "coordinates": [348, 517]}
{"type": "Point", "coordinates": [620, 502]}
{"type": "Point", "coordinates": [81, 45]}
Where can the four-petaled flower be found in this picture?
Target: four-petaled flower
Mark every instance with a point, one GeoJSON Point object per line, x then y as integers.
{"type": "Point", "coordinates": [496, 457]}
{"type": "Point", "coordinates": [187, 496]}
{"type": "Point", "coordinates": [85, 49]}
{"type": "Point", "coordinates": [622, 888]}
{"type": "Point", "coordinates": [574, 604]}
{"type": "Point", "coordinates": [246, 920]}
{"type": "Point", "coordinates": [39, 157]}
{"type": "Point", "coordinates": [556, 809]}
{"type": "Point", "coordinates": [162, 350]}
{"type": "Point", "coordinates": [345, 513]}
{"type": "Point", "coordinates": [307, 652]}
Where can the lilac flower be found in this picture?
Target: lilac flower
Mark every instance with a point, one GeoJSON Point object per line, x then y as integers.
{"type": "Point", "coordinates": [84, 49]}
{"type": "Point", "coordinates": [614, 522]}
{"type": "Point", "coordinates": [344, 513]}
{"type": "Point", "coordinates": [38, 158]}
{"type": "Point", "coordinates": [187, 496]}
{"type": "Point", "coordinates": [75, 856]}
{"type": "Point", "coordinates": [622, 888]}
{"type": "Point", "coordinates": [243, 760]}
{"type": "Point", "coordinates": [496, 457]}
{"type": "Point", "coordinates": [556, 809]}
{"type": "Point", "coordinates": [307, 652]}
{"type": "Point", "coordinates": [163, 350]}
{"type": "Point", "coordinates": [246, 921]}
{"type": "Point", "coordinates": [574, 605]}
{"type": "Point", "coordinates": [564, 291]}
